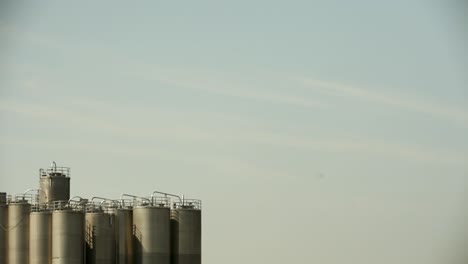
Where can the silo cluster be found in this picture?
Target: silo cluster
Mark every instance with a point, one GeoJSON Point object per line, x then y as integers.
{"type": "Point", "coordinates": [46, 226]}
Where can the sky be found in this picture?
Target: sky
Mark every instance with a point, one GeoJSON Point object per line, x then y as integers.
{"type": "Point", "coordinates": [313, 131]}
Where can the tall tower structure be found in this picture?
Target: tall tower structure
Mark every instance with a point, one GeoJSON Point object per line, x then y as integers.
{"type": "Point", "coordinates": [54, 184]}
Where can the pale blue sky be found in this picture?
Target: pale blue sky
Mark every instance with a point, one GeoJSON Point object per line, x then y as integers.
{"type": "Point", "coordinates": [314, 132]}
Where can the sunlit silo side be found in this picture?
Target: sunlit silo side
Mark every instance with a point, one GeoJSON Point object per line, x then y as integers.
{"type": "Point", "coordinates": [3, 228]}
{"type": "Point", "coordinates": [18, 232]}
{"type": "Point", "coordinates": [54, 184]}
{"type": "Point", "coordinates": [151, 234]}
{"type": "Point", "coordinates": [100, 237]}
{"type": "Point", "coordinates": [124, 230]}
{"type": "Point", "coordinates": [40, 237]}
{"type": "Point", "coordinates": [186, 232]}
{"type": "Point", "coordinates": [67, 237]}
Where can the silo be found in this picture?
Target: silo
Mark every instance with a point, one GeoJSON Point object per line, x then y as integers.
{"type": "Point", "coordinates": [100, 238]}
{"type": "Point", "coordinates": [40, 237]}
{"type": "Point", "coordinates": [124, 231]}
{"type": "Point", "coordinates": [186, 233]}
{"type": "Point", "coordinates": [18, 232]}
{"type": "Point", "coordinates": [151, 234]}
{"type": "Point", "coordinates": [3, 228]}
{"type": "Point", "coordinates": [54, 184]}
{"type": "Point", "coordinates": [67, 237]}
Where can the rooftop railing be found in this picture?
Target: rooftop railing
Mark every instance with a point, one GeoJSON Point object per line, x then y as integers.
{"type": "Point", "coordinates": [55, 171]}
{"type": "Point", "coordinates": [188, 204]}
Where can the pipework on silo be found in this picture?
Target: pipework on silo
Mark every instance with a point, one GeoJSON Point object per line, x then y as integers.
{"type": "Point", "coordinates": [46, 226]}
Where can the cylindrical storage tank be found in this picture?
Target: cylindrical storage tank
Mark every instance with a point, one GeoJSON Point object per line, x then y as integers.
{"type": "Point", "coordinates": [3, 228]}
{"type": "Point", "coordinates": [18, 232]}
{"type": "Point", "coordinates": [40, 238]}
{"type": "Point", "coordinates": [186, 236]}
{"type": "Point", "coordinates": [100, 238]}
{"type": "Point", "coordinates": [67, 237]}
{"type": "Point", "coordinates": [54, 187]}
{"type": "Point", "coordinates": [151, 234]}
{"type": "Point", "coordinates": [124, 231]}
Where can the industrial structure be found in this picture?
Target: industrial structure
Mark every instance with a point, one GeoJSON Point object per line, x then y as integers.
{"type": "Point", "coordinates": [46, 226]}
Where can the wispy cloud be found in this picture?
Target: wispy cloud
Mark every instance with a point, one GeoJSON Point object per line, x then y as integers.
{"type": "Point", "coordinates": [366, 147]}
{"type": "Point", "coordinates": [213, 82]}
{"type": "Point", "coordinates": [210, 83]}
{"type": "Point", "coordinates": [83, 119]}
{"type": "Point", "coordinates": [209, 134]}
{"type": "Point", "coordinates": [434, 109]}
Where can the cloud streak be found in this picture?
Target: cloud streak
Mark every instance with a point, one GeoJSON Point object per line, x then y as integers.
{"type": "Point", "coordinates": [222, 86]}
{"type": "Point", "coordinates": [206, 135]}
{"type": "Point", "coordinates": [368, 148]}
{"type": "Point", "coordinates": [202, 81]}
{"type": "Point", "coordinates": [401, 102]}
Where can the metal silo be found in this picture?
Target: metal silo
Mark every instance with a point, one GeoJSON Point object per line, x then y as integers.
{"type": "Point", "coordinates": [151, 233]}
{"type": "Point", "coordinates": [67, 236]}
{"type": "Point", "coordinates": [54, 184]}
{"type": "Point", "coordinates": [3, 228]}
{"type": "Point", "coordinates": [186, 232]}
{"type": "Point", "coordinates": [40, 237]}
{"type": "Point", "coordinates": [18, 232]}
{"type": "Point", "coordinates": [124, 231]}
{"type": "Point", "coordinates": [100, 237]}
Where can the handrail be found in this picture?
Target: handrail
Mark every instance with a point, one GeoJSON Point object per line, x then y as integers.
{"type": "Point", "coordinates": [71, 199]}
{"type": "Point", "coordinates": [69, 205]}
{"type": "Point", "coordinates": [134, 197]}
{"type": "Point", "coordinates": [36, 200]}
{"type": "Point", "coordinates": [189, 204]}
{"type": "Point", "coordinates": [54, 169]}
{"type": "Point", "coordinates": [166, 194]}
{"type": "Point", "coordinates": [115, 202]}
{"type": "Point", "coordinates": [30, 190]}
{"type": "Point", "coordinates": [22, 197]}
{"type": "Point", "coordinates": [123, 201]}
